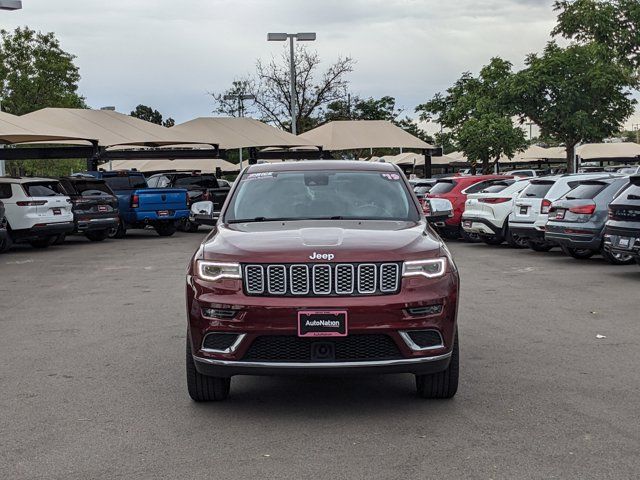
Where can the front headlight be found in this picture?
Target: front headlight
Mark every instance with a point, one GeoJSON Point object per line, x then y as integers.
{"type": "Point", "coordinates": [214, 271]}
{"type": "Point", "coordinates": [426, 268]}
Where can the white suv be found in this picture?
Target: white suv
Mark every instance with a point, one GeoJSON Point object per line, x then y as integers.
{"type": "Point", "coordinates": [528, 219]}
{"type": "Point", "coordinates": [37, 210]}
{"type": "Point", "coordinates": [486, 213]}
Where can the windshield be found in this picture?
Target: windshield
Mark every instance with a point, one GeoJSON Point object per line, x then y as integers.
{"type": "Point", "coordinates": [335, 195]}
{"type": "Point", "coordinates": [132, 182]}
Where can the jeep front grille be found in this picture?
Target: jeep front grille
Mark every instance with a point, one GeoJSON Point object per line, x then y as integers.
{"type": "Point", "coordinates": [321, 279]}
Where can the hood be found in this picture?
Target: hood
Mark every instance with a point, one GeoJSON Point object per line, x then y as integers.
{"type": "Point", "coordinates": [337, 241]}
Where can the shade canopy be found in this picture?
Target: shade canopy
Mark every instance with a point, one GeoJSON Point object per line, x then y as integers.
{"type": "Point", "coordinates": [358, 134]}
{"type": "Point", "coordinates": [597, 151]}
{"type": "Point", "coordinates": [204, 165]}
{"type": "Point", "coordinates": [111, 128]}
{"type": "Point", "coordinates": [417, 159]}
{"type": "Point", "coordinates": [14, 129]}
{"type": "Point", "coordinates": [232, 132]}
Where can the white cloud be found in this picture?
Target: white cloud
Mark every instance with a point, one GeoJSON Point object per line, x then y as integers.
{"type": "Point", "coordinates": [169, 54]}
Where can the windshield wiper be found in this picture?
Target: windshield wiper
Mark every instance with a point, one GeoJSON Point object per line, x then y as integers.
{"type": "Point", "coordinates": [263, 219]}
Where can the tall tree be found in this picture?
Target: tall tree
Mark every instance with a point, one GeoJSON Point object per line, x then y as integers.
{"type": "Point", "coordinates": [612, 23]}
{"type": "Point", "coordinates": [271, 86]}
{"type": "Point", "coordinates": [35, 72]}
{"type": "Point", "coordinates": [144, 112]}
{"type": "Point", "coordinates": [574, 94]}
{"type": "Point", "coordinates": [477, 111]}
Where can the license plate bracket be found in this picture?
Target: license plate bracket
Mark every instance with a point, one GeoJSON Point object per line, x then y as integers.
{"type": "Point", "coordinates": [163, 213]}
{"type": "Point", "coordinates": [322, 323]}
{"type": "Point", "coordinates": [560, 214]}
{"type": "Point", "coordinates": [467, 223]}
{"type": "Point", "coordinates": [625, 242]}
{"type": "Point", "coordinates": [56, 211]}
{"type": "Point", "coordinates": [523, 210]}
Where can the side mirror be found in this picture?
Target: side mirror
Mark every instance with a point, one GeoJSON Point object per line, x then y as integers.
{"type": "Point", "coordinates": [202, 213]}
{"type": "Point", "coordinates": [437, 209]}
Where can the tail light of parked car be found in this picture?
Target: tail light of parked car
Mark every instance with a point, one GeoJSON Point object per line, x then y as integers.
{"type": "Point", "coordinates": [583, 209]}
{"type": "Point", "coordinates": [545, 206]}
{"type": "Point", "coordinates": [135, 201]}
{"type": "Point", "coordinates": [493, 200]}
{"type": "Point", "coordinates": [32, 203]}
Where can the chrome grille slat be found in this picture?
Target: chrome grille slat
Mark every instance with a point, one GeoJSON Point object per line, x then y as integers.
{"type": "Point", "coordinates": [322, 279]}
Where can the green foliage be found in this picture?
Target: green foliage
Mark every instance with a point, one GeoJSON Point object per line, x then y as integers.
{"type": "Point", "coordinates": [611, 23]}
{"type": "Point", "coordinates": [144, 112]}
{"type": "Point", "coordinates": [477, 112]}
{"type": "Point", "coordinates": [35, 72]}
{"type": "Point", "coordinates": [574, 94]}
{"type": "Point", "coordinates": [46, 168]}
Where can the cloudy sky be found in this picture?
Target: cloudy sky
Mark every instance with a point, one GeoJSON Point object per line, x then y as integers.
{"type": "Point", "coordinates": [169, 53]}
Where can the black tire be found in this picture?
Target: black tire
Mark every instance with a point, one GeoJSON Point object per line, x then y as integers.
{"type": "Point", "coordinates": [442, 384]}
{"type": "Point", "coordinates": [5, 244]}
{"type": "Point", "coordinates": [165, 229]}
{"type": "Point", "coordinates": [492, 239]}
{"type": "Point", "coordinates": [97, 235]}
{"type": "Point", "coordinates": [618, 258]}
{"type": "Point", "coordinates": [515, 241]}
{"type": "Point", "coordinates": [59, 239]}
{"type": "Point", "coordinates": [579, 253]}
{"type": "Point", "coordinates": [203, 388]}
{"type": "Point", "coordinates": [118, 232]}
{"type": "Point", "coordinates": [43, 242]}
{"type": "Point", "coordinates": [539, 246]}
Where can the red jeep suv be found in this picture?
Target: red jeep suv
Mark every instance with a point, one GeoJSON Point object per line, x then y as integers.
{"type": "Point", "coordinates": [321, 267]}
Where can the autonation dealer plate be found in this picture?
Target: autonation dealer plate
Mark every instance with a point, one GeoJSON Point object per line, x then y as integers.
{"type": "Point", "coordinates": [320, 323]}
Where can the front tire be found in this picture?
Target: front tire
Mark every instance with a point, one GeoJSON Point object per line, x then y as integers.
{"type": "Point", "coordinates": [203, 388]}
{"type": "Point", "coordinates": [442, 384]}
{"type": "Point", "coordinates": [579, 253]}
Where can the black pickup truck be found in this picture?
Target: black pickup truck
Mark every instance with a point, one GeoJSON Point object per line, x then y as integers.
{"type": "Point", "coordinates": [200, 186]}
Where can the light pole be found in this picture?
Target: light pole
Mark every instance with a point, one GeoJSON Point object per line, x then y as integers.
{"type": "Point", "coordinates": [636, 128]}
{"type": "Point", "coordinates": [8, 5]}
{"type": "Point", "coordinates": [241, 98]}
{"type": "Point", "coordinates": [301, 37]}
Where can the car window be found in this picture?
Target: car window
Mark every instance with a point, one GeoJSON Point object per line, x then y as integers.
{"type": "Point", "coordinates": [586, 191]}
{"type": "Point", "coordinates": [5, 190]}
{"type": "Point", "coordinates": [335, 195]}
{"type": "Point", "coordinates": [443, 186]}
{"type": "Point", "coordinates": [199, 181]}
{"type": "Point", "coordinates": [632, 192]}
{"type": "Point", "coordinates": [536, 190]}
{"type": "Point", "coordinates": [478, 187]}
{"type": "Point", "coordinates": [43, 189]}
{"type": "Point", "coordinates": [422, 190]}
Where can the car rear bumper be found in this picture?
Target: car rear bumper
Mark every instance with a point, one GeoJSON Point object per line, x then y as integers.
{"type": "Point", "coordinates": [43, 230]}
{"type": "Point", "coordinates": [91, 224]}
{"type": "Point", "coordinates": [579, 238]}
{"type": "Point", "coordinates": [480, 225]}
{"type": "Point", "coordinates": [153, 217]}
{"type": "Point", "coordinates": [611, 241]}
{"type": "Point", "coordinates": [526, 230]}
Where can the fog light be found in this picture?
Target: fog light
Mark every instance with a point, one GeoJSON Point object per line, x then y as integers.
{"type": "Point", "coordinates": [424, 311]}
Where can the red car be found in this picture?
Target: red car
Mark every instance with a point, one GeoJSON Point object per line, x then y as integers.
{"type": "Point", "coordinates": [455, 189]}
{"type": "Point", "coordinates": [321, 267]}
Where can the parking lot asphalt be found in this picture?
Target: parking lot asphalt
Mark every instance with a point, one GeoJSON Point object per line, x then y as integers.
{"type": "Point", "coordinates": [92, 378]}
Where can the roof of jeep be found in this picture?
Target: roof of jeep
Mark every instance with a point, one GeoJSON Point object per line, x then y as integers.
{"type": "Point", "coordinates": [322, 165]}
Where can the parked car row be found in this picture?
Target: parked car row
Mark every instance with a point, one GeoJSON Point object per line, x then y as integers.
{"type": "Point", "coordinates": [99, 204]}
{"type": "Point", "coordinates": [583, 214]}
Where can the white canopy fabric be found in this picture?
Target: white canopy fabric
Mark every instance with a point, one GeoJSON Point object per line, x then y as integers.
{"type": "Point", "coordinates": [14, 129]}
{"type": "Point", "coordinates": [112, 128]}
{"type": "Point", "coordinates": [232, 132]}
{"type": "Point", "coordinates": [358, 134]}
{"type": "Point", "coordinates": [594, 151]}
{"type": "Point", "coordinates": [204, 165]}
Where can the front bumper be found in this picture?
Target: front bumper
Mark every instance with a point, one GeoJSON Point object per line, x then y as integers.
{"type": "Point", "coordinates": [381, 315]}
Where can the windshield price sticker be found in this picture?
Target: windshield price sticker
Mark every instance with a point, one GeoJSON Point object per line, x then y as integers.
{"type": "Point", "coordinates": [393, 177]}
{"type": "Point", "coordinates": [258, 175]}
